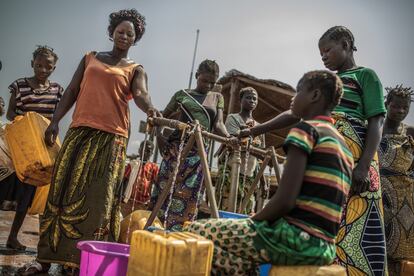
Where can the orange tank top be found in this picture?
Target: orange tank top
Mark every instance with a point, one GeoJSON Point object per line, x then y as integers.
{"type": "Point", "coordinates": [102, 101]}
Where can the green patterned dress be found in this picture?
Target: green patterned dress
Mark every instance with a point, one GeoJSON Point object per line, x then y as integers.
{"type": "Point", "coordinates": [360, 243]}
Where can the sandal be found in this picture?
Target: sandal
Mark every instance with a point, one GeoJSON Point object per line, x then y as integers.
{"type": "Point", "coordinates": [15, 245]}
{"type": "Point", "coordinates": [8, 205]}
{"type": "Point", "coordinates": [70, 271]}
{"type": "Point", "coordinates": [33, 268]}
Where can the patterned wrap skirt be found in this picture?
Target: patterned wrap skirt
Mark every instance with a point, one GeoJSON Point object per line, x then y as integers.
{"type": "Point", "coordinates": [83, 200]}
{"type": "Point", "coordinates": [240, 245]}
{"type": "Point", "coordinates": [397, 179]}
{"type": "Point", "coordinates": [361, 237]}
{"type": "Point", "coordinates": [187, 192]}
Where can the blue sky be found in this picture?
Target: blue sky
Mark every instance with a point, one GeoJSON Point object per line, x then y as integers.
{"type": "Point", "coordinates": [267, 39]}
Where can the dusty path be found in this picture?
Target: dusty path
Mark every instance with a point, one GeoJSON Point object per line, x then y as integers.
{"type": "Point", "coordinates": [11, 260]}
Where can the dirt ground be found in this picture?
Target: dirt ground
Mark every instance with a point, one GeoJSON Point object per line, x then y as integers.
{"type": "Point", "coordinates": [11, 260]}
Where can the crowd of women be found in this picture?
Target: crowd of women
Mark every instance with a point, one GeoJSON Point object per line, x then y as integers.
{"type": "Point", "coordinates": [84, 200]}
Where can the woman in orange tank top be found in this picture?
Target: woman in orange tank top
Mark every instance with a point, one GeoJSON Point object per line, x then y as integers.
{"type": "Point", "coordinates": [83, 200]}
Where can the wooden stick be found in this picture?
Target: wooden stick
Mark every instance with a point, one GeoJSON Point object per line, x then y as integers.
{"type": "Point", "coordinates": [253, 187]}
{"type": "Point", "coordinates": [168, 123]}
{"type": "Point", "coordinates": [260, 202]}
{"type": "Point", "coordinates": [184, 126]}
{"type": "Point", "coordinates": [187, 148]}
{"type": "Point", "coordinates": [258, 151]}
{"type": "Point", "coordinates": [215, 137]}
{"type": "Point", "coordinates": [275, 164]}
{"type": "Point", "coordinates": [207, 177]}
{"type": "Point", "coordinates": [235, 175]}
{"type": "Point", "coordinates": [252, 149]}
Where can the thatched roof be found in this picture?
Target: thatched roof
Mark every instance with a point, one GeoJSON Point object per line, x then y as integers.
{"type": "Point", "coordinates": [233, 73]}
{"type": "Point", "coordinates": [274, 98]}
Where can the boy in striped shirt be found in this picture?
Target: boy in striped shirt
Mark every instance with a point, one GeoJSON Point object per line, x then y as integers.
{"type": "Point", "coordinates": [299, 224]}
{"type": "Point", "coordinates": [37, 94]}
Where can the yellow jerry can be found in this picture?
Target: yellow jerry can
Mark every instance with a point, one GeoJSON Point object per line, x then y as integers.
{"type": "Point", "coordinates": [6, 164]}
{"type": "Point", "coordinates": [172, 254]}
{"type": "Point", "coordinates": [407, 268]}
{"type": "Point", "coordinates": [308, 270]}
{"type": "Point", "coordinates": [39, 200]}
{"type": "Point", "coordinates": [135, 221]}
{"type": "Point", "coordinates": [33, 161]}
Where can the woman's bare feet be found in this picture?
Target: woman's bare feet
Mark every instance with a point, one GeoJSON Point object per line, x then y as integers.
{"type": "Point", "coordinates": [70, 271]}
{"type": "Point", "coordinates": [8, 205]}
{"type": "Point", "coordinates": [15, 244]}
{"type": "Point", "coordinates": [33, 268]}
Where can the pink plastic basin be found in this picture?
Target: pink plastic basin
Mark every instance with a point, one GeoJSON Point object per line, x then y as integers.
{"type": "Point", "coordinates": [103, 258]}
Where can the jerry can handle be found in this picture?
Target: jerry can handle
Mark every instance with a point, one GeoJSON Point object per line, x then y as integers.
{"type": "Point", "coordinates": [18, 118]}
{"type": "Point", "coordinates": [87, 246]}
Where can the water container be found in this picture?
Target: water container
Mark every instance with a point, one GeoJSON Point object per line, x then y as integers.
{"type": "Point", "coordinates": [103, 258]}
{"type": "Point", "coordinates": [225, 214]}
{"type": "Point", "coordinates": [407, 268]}
{"type": "Point", "coordinates": [39, 200]}
{"type": "Point", "coordinates": [32, 159]}
{"type": "Point", "coordinates": [265, 268]}
{"type": "Point", "coordinates": [308, 270]}
{"type": "Point", "coordinates": [135, 221]}
{"type": "Point", "coordinates": [169, 254]}
{"type": "Point", "coordinates": [6, 164]}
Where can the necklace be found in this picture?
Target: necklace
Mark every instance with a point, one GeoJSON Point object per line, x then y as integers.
{"type": "Point", "coordinates": [39, 90]}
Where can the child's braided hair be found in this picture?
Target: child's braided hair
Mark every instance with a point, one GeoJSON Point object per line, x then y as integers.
{"type": "Point", "coordinates": [340, 32]}
{"type": "Point", "coordinates": [245, 90]}
{"type": "Point", "coordinates": [209, 66]}
{"type": "Point", "coordinates": [44, 50]}
{"type": "Point", "coordinates": [399, 91]}
{"type": "Point", "coordinates": [327, 82]}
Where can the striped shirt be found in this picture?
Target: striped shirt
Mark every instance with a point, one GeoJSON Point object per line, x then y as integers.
{"type": "Point", "coordinates": [327, 178]}
{"type": "Point", "coordinates": [43, 102]}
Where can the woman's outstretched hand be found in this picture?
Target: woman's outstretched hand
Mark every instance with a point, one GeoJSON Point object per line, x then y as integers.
{"type": "Point", "coordinates": [51, 134]}
{"type": "Point", "coordinates": [233, 141]}
{"type": "Point", "coordinates": [360, 180]}
{"type": "Point", "coordinates": [153, 112]}
{"type": "Point", "coordinates": [244, 133]}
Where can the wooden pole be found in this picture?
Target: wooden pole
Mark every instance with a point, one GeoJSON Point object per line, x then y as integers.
{"type": "Point", "coordinates": [187, 148]}
{"type": "Point", "coordinates": [211, 154]}
{"type": "Point", "coordinates": [235, 175]}
{"type": "Point", "coordinates": [184, 126]}
{"type": "Point", "coordinates": [261, 200]}
{"type": "Point", "coordinates": [258, 151]}
{"type": "Point", "coordinates": [196, 137]}
{"type": "Point", "coordinates": [207, 177]}
{"type": "Point", "coordinates": [168, 122]}
{"type": "Point", "coordinates": [253, 187]}
{"type": "Point", "coordinates": [275, 164]}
